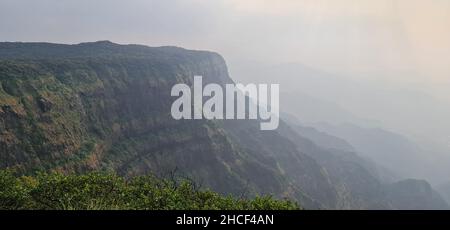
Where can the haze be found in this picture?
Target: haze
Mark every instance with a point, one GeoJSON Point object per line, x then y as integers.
{"type": "Point", "coordinates": [383, 62]}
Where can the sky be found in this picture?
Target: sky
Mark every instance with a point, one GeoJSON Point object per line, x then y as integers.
{"type": "Point", "coordinates": [343, 36]}
{"type": "Point", "coordinates": [404, 43]}
{"type": "Point", "coordinates": [400, 45]}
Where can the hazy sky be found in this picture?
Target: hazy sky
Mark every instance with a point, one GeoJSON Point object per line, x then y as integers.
{"type": "Point", "coordinates": [394, 39]}
{"type": "Point", "coordinates": [402, 44]}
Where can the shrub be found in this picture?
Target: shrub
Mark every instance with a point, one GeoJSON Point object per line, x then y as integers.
{"type": "Point", "coordinates": [100, 191]}
{"type": "Point", "coordinates": [12, 194]}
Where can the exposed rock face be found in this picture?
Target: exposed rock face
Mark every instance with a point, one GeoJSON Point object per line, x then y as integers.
{"type": "Point", "coordinates": [103, 106]}
{"type": "Point", "coordinates": [107, 106]}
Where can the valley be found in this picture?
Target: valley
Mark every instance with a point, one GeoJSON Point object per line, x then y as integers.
{"type": "Point", "coordinates": [101, 106]}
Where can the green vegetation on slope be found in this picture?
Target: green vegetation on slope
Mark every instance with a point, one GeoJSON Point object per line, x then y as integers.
{"type": "Point", "coordinates": [98, 191]}
{"type": "Point", "coordinates": [104, 106]}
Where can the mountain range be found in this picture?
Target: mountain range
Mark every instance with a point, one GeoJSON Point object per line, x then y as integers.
{"type": "Point", "coordinates": [103, 106]}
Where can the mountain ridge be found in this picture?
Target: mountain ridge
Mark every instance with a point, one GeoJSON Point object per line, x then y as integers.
{"type": "Point", "coordinates": [105, 106]}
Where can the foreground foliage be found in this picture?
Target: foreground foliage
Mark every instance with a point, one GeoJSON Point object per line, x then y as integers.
{"type": "Point", "coordinates": [97, 191]}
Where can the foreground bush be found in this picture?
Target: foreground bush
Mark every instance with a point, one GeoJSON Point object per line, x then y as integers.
{"type": "Point", "coordinates": [97, 191]}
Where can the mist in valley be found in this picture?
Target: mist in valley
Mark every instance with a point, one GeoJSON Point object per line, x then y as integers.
{"type": "Point", "coordinates": [371, 75]}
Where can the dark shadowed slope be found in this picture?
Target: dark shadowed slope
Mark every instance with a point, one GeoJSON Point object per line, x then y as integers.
{"type": "Point", "coordinates": [104, 106]}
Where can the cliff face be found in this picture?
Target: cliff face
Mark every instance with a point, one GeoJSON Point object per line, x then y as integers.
{"type": "Point", "coordinates": [104, 106]}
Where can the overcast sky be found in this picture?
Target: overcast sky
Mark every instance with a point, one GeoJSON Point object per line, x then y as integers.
{"type": "Point", "coordinates": [402, 44]}
{"type": "Point", "coordinates": [383, 37]}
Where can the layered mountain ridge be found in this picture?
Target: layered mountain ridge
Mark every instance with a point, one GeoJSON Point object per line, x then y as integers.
{"type": "Point", "coordinates": [105, 106]}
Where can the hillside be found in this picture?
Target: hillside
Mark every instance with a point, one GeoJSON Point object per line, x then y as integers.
{"type": "Point", "coordinates": [103, 106]}
{"type": "Point", "coordinates": [106, 107]}
{"type": "Point", "coordinates": [424, 196]}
